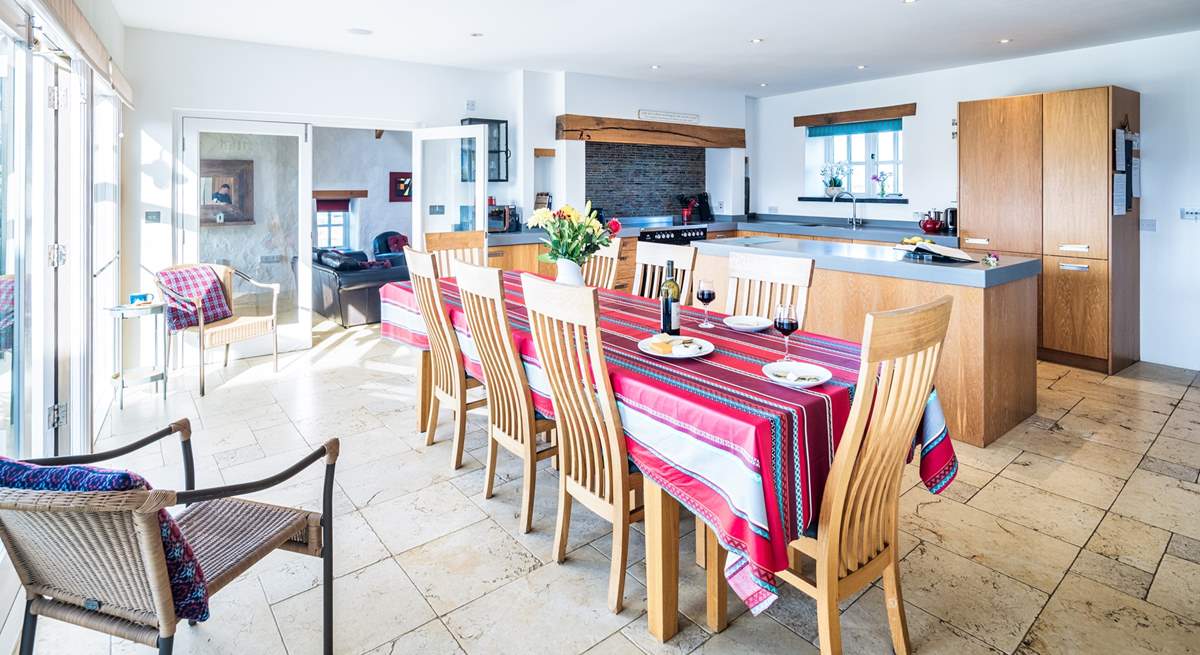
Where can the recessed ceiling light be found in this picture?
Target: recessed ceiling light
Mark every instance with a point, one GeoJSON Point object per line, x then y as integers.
{"type": "Point", "coordinates": [655, 67]}
{"type": "Point", "coordinates": [909, 2]}
{"type": "Point", "coordinates": [862, 67]}
{"type": "Point", "coordinates": [756, 40]}
{"type": "Point", "coordinates": [476, 35]}
{"type": "Point", "coordinates": [762, 83]}
{"type": "Point", "coordinates": [1004, 41]}
{"type": "Point", "coordinates": [360, 31]}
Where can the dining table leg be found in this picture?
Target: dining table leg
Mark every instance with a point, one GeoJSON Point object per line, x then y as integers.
{"type": "Point", "coordinates": [716, 586]}
{"type": "Point", "coordinates": [662, 561]}
{"type": "Point", "coordinates": [424, 387]}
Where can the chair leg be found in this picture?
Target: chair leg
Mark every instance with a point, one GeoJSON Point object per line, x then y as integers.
{"type": "Point", "coordinates": [489, 471]}
{"type": "Point", "coordinates": [527, 489]}
{"type": "Point", "coordinates": [829, 628]}
{"type": "Point", "coordinates": [701, 543]}
{"type": "Point", "coordinates": [226, 364]}
{"type": "Point", "coordinates": [431, 420]}
{"type": "Point", "coordinates": [166, 645]}
{"type": "Point", "coordinates": [28, 630]}
{"type": "Point", "coordinates": [563, 525]}
{"type": "Point", "coordinates": [620, 555]}
{"type": "Point", "coordinates": [895, 606]}
{"type": "Point", "coordinates": [460, 433]}
{"type": "Point", "coordinates": [327, 592]}
{"type": "Point", "coordinates": [201, 366]}
{"type": "Point", "coordinates": [275, 350]}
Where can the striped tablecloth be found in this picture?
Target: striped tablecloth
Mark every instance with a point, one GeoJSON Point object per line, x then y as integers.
{"type": "Point", "coordinates": [747, 456]}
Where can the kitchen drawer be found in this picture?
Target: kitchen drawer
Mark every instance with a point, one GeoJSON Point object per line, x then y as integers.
{"type": "Point", "coordinates": [1075, 305]}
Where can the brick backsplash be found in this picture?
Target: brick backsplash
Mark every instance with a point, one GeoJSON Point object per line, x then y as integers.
{"type": "Point", "coordinates": [637, 180]}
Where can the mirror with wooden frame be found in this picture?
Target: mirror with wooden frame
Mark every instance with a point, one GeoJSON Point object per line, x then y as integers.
{"type": "Point", "coordinates": [226, 191]}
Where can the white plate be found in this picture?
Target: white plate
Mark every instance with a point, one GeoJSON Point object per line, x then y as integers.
{"type": "Point", "coordinates": [705, 347]}
{"type": "Point", "coordinates": [747, 323]}
{"type": "Point", "coordinates": [801, 370]}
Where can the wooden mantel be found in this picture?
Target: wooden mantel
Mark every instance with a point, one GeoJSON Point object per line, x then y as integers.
{"type": "Point", "coordinates": [856, 115]}
{"type": "Point", "coordinates": [574, 127]}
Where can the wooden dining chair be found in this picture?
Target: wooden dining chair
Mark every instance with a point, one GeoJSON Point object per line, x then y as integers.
{"type": "Point", "coordinates": [601, 270]}
{"type": "Point", "coordinates": [512, 422]}
{"type": "Point", "coordinates": [593, 463]}
{"type": "Point", "coordinates": [449, 246]}
{"type": "Point", "coordinates": [651, 266]}
{"type": "Point", "coordinates": [857, 536]}
{"type": "Point", "coordinates": [450, 381]}
{"type": "Point", "coordinates": [759, 283]}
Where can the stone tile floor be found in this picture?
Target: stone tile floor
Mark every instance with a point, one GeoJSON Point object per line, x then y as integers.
{"type": "Point", "coordinates": [1078, 532]}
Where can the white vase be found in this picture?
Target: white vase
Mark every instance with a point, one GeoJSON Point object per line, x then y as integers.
{"type": "Point", "coordinates": [569, 273]}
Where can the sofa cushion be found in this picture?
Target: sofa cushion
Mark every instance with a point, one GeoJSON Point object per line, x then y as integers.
{"type": "Point", "coordinates": [397, 242]}
{"type": "Point", "coordinates": [189, 590]}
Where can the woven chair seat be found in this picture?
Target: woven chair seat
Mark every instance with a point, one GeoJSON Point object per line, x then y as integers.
{"type": "Point", "coordinates": [234, 329]}
{"type": "Point", "coordinates": [228, 535]}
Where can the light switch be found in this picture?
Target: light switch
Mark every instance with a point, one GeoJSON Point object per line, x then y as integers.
{"type": "Point", "coordinates": [1148, 225]}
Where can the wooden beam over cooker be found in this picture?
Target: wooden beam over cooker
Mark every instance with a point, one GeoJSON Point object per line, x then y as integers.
{"type": "Point", "coordinates": [856, 115]}
{"type": "Point", "coordinates": [574, 127]}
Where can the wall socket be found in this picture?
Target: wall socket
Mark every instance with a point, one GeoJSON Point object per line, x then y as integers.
{"type": "Point", "coordinates": [1148, 225]}
{"type": "Point", "coordinates": [270, 259]}
{"type": "Point", "coordinates": [720, 206]}
{"type": "Point", "coordinates": [773, 209]}
{"type": "Point", "coordinates": [1189, 213]}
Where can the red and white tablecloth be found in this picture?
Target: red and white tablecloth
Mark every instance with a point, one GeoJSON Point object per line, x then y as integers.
{"type": "Point", "coordinates": [747, 456]}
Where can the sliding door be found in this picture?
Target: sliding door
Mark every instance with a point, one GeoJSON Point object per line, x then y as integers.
{"type": "Point", "coordinates": [447, 194]}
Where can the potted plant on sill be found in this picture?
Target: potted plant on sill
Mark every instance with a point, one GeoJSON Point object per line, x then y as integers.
{"type": "Point", "coordinates": [572, 238]}
{"type": "Point", "coordinates": [834, 176]}
{"type": "Point", "coordinates": [881, 179]}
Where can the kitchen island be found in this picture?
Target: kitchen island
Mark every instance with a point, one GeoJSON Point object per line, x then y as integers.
{"type": "Point", "coordinates": [987, 379]}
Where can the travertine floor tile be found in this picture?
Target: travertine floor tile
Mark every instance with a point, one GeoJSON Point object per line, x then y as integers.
{"type": "Point", "coordinates": [688, 639]}
{"type": "Point", "coordinates": [1177, 587]}
{"type": "Point", "coordinates": [1164, 502]}
{"type": "Point", "coordinates": [1053, 404]}
{"type": "Point", "coordinates": [1184, 423]}
{"type": "Point", "coordinates": [1084, 485]}
{"type": "Point", "coordinates": [1122, 577]}
{"type": "Point", "coordinates": [1185, 548]}
{"type": "Point", "coordinates": [973, 598]}
{"type": "Point", "coordinates": [616, 644]}
{"type": "Point", "coordinates": [1087, 617]}
{"type": "Point", "coordinates": [1177, 451]}
{"type": "Point", "coordinates": [397, 475]}
{"type": "Point", "coordinates": [1153, 378]}
{"type": "Point", "coordinates": [59, 638]}
{"type": "Point", "coordinates": [284, 574]}
{"type": "Point", "coordinates": [994, 542]}
{"type": "Point", "coordinates": [692, 590]}
{"type": "Point", "coordinates": [1129, 541]}
{"type": "Point", "coordinates": [756, 634]}
{"type": "Point", "coordinates": [1081, 452]}
{"type": "Point", "coordinates": [1108, 393]}
{"type": "Point", "coordinates": [992, 459]}
{"type": "Point", "coordinates": [430, 639]}
{"type": "Point", "coordinates": [455, 569]}
{"type": "Point", "coordinates": [559, 608]}
{"type": "Point", "coordinates": [422, 516]}
{"type": "Point", "coordinates": [1169, 469]}
{"type": "Point", "coordinates": [1118, 427]}
{"type": "Point", "coordinates": [1057, 516]}
{"type": "Point", "coordinates": [865, 630]}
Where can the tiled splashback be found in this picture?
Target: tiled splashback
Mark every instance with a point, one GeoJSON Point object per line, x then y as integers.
{"type": "Point", "coordinates": [638, 180]}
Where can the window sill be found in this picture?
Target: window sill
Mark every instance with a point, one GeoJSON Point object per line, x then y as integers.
{"type": "Point", "coordinates": [867, 199]}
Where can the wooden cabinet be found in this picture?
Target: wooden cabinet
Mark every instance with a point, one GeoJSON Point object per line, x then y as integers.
{"type": "Point", "coordinates": [1077, 173]}
{"type": "Point", "coordinates": [1000, 174]}
{"type": "Point", "coordinates": [1075, 306]}
{"type": "Point", "coordinates": [626, 261]}
{"type": "Point", "coordinates": [519, 257]}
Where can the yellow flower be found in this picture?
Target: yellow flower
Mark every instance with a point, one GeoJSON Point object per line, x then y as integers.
{"type": "Point", "coordinates": [594, 226]}
{"type": "Point", "coordinates": [570, 213]}
{"type": "Point", "coordinates": [540, 217]}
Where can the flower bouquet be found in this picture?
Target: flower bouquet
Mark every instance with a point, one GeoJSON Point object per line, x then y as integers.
{"type": "Point", "coordinates": [572, 238]}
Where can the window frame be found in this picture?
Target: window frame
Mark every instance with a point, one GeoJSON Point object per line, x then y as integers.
{"type": "Point", "coordinates": [322, 220]}
{"type": "Point", "coordinates": [872, 162]}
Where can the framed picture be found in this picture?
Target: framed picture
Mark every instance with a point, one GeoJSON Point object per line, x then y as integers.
{"type": "Point", "coordinates": [226, 191]}
{"type": "Point", "coordinates": [399, 187]}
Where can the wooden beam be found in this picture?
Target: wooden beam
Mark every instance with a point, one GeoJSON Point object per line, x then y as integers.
{"type": "Point", "coordinates": [339, 194]}
{"type": "Point", "coordinates": [574, 127]}
{"type": "Point", "coordinates": [543, 152]}
{"type": "Point", "coordinates": [856, 115]}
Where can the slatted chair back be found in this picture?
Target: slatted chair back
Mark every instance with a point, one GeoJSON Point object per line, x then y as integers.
{"type": "Point", "coordinates": [565, 324]}
{"type": "Point", "coordinates": [651, 268]}
{"type": "Point", "coordinates": [760, 283]}
{"type": "Point", "coordinates": [98, 555]}
{"type": "Point", "coordinates": [449, 246]}
{"type": "Point", "coordinates": [900, 353]}
{"type": "Point", "coordinates": [510, 403]}
{"type": "Point", "coordinates": [445, 355]}
{"type": "Point", "coordinates": [601, 270]}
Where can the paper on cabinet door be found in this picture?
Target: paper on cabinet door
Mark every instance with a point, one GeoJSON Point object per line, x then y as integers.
{"type": "Point", "coordinates": [1135, 169]}
{"type": "Point", "coordinates": [1119, 149]}
{"type": "Point", "coordinates": [1118, 199]}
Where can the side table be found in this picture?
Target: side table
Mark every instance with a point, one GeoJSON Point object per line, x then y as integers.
{"type": "Point", "coordinates": [155, 374]}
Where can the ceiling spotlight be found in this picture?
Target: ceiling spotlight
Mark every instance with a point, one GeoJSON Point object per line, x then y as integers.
{"type": "Point", "coordinates": [756, 40]}
{"type": "Point", "coordinates": [1004, 41]}
{"type": "Point", "coordinates": [762, 83]}
{"type": "Point", "coordinates": [862, 67]}
{"type": "Point", "coordinates": [909, 2]}
{"type": "Point", "coordinates": [476, 35]}
{"type": "Point", "coordinates": [360, 31]}
{"type": "Point", "coordinates": [655, 67]}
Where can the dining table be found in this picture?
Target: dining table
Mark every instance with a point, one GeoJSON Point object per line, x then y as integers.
{"type": "Point", "coordinates": [748, 456]}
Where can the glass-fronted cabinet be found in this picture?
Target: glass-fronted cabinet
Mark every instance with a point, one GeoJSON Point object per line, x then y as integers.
{"type": "Point", "coordinates": [498, 152]}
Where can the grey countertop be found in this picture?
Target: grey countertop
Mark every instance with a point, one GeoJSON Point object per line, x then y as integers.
{"type": "Point", "coordinates": [879, 260]}
{"type": "Point", "coordinates": [817, 226]}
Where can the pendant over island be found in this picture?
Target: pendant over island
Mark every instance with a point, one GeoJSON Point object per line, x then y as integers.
{"type": "Point", "coordinates": [987, 380]}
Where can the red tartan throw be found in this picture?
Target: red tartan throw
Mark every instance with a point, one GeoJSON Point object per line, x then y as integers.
{"type": "Point", "coordinates": [193, 282]}
{"type": "Point", "coordinates": [397, 242]}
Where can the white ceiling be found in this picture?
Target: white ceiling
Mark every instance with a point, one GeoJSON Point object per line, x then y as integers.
{"type": "Point", "coordinates": [808, 44]}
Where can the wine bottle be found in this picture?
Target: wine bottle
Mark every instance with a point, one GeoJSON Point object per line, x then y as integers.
{"type": "Point", "coordinates": [668, 294]}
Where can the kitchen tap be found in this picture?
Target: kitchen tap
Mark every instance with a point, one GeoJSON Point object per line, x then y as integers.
{"type": "Point", "coordinates": [853, 220]}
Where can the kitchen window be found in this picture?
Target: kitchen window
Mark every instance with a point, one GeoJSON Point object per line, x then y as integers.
{"type": "Point", "coordinates": [868, 149]}
{"type": "Point", "coordinates": [333, 224]}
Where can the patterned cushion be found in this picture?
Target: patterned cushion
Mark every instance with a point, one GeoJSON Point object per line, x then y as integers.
{"type": "Point", "coordinates": [194, 282]}
{"type": "Point", "coordinates": [188, 587]}
{"type": "Point", "coordinates": [397, 242]}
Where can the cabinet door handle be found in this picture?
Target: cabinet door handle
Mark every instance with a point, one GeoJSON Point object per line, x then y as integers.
{"type": "Point", "coordinates": [1074, 247]}
{"type": "Point", "coordinates": [978, 241]}
{"type": "Point", "coordinates": [495, 253]}
{"type": "Point", "coordinates": [1073, 267]}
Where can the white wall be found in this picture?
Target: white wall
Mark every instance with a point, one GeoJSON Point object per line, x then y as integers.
{"type": "Point", "coordinates": [1164, 70]}
{"type": "Point", "coordinates": [354, 159]}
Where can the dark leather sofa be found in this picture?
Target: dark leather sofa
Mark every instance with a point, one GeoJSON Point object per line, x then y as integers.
{"type": "Point", "coordinates": [347, 294]}
{"type": "Point", "coordinates": [382, 250]}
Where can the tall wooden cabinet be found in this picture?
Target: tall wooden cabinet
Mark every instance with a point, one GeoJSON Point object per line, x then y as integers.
{"type": "Point", "coordinates": [1036, 179]}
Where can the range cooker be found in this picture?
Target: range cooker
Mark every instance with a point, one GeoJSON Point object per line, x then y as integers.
{"type": "Point", "coordinates": [677, 235]}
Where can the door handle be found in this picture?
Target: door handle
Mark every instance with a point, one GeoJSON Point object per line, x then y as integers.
{"type": "Point", "coordinates": [977, 241]}
{"type": "Point", "coordinates": [1074, 247]}
{"type": "Point", "coordinates": [495, 253]}
{"type": "Point", "coordinates": [1073, 267]}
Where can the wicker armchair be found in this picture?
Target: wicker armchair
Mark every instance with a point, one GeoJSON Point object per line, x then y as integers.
{"type": "Point", "coordinates": [236, 328]}
{"type": "Point", "coordinates": [96, 559]}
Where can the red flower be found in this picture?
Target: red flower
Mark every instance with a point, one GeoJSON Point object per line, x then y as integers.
{"type": "Point", "coordinates": [614, 226]}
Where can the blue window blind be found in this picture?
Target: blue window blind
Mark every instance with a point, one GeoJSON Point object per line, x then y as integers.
{"type": "Point", "coordinates": [866, 127]}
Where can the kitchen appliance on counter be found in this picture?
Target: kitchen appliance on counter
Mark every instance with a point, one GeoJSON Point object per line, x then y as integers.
{"type": "Point", "coordinates": [677, 236]}
{"type": "Point", "coordinates": [698, 206]}
{"type": "Point", "coordinates": [950, 217]}
{"type": "Point", "coordinates": [503, 218]}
